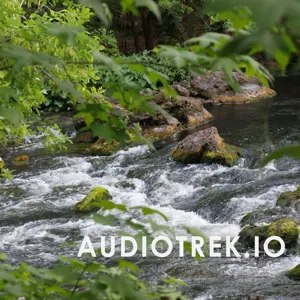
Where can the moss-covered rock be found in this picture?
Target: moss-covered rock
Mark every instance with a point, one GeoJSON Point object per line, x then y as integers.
{"type": "Point", "coordinates": [206, 146]}
{"type": "Point", "coordinates": [287, 229]}
{"type": "Point", "coordinates": [289, 199]}
{"type": "Point", "coordinates": [93, 200]}
{"type": "Point", "coordinates": [104, 148]}
{"type": "Point", "coordinates": [160, 133]}
{"type": "Point", "coordinates": [294, 273]}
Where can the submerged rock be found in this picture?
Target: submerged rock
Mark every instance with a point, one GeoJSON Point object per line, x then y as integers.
{"type": "Point", "coordinates": [93, 200]}
{"type": "Point", "coordinates": [294, 273]}
{"type": "Point", "coordinates": [290, 199]}
{"type": "Point", "coordinates": [22, 160]}
{"type": "Point", "coordinates": [206, 146]}
{"type": "Point", "coordinates": [287, 229]}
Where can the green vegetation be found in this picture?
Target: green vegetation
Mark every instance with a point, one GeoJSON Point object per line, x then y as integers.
{"type": "Point", "coordinates": [287, 229]}
{"type": "Point", "coordinates": [53, 58]}
{"type": "Point", "coordinates": [93, 200]}
{"type": "Point", "coordinates": [288, 198]}
{"type": "Point", "coordinates": [294, 273]}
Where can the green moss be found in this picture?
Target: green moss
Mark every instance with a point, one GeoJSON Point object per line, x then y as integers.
{"type": "Point", "coordinates": [93, 200]}
{"type": "Point", "coordinates": [294, 273]}
{"type": "Point", "coordinates": [104, 148]}
{"type": "Point", "coordinates": [248, 234]}
{"type": "Point", "coordinates": [160, 134]}
{"type": "Point", "coordinates": [287, 199]}
{"type": "Point", "coordinates": [180, 155]}
{"type": "Point", "coordinates": [287, 229]}
{"type": "Point", "coordinates": [225, 155]}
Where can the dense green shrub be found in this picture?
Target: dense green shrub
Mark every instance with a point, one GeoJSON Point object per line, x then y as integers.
{"type": "Point", "coordinates": [160, 64]}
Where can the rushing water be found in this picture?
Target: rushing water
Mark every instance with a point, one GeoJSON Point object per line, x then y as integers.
{"type": "Point", "coordinates": [36, 207]}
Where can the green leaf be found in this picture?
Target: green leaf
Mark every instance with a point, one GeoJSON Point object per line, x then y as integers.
{"type": "Point", "coordinates": [11, 114]}
{"type": "Point", "coordinates": [149, 211]}
{"type": "Point", "coordinates": [66, 34]}
{"type": "Point", "coordinates": [3, 256]}
{"type": "Point", "coordinates": [264, 13]}
{"type": "Point", "coordinates": [100, 9]}
{"type": "Point", "coordinates": [23, 58]}
{"type": "Point", "coordinates": [210, 38]}
{"type": "Point", "coordinates": [69, 87]}
{"type": "Point", "coordinates": [290, 151]}
{"type": "Point", "coordinates": [109, 62]}
{"type": "Point", "coordinates": [195, 232]}
{"type": "Point", "coordinates": [228, 66]}
{"type": "Point", "coordinates": [105, 220]}
{"type": "Point", "coordinates": [151, 5]}
{"type": "Point", "coordinates": [7, 93]}
{"type": "Point", "coordinates": [109, 205]}
{"type": "Point", "coordinates": [124, 264]}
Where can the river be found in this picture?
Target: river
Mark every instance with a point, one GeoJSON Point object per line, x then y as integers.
{"type": "Point", "coordinates": [36, 207]}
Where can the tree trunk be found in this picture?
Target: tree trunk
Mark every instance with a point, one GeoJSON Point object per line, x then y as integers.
{"type": "Point", "coordinates": [149, 35]}
{"type": "Point", "coordinates": [135, 34]}
{"type": "Point", "coordinates": [147, 24]}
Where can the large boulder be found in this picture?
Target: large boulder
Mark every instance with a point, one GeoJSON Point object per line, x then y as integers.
{"type": "Point", "coordinates": [213, 87]}
{"type": "Point", "coordinates": [206, 146]}
{"type": "Point", "coordinates": [92, 201]}
{"type": "Point", "coordinates": [287, 229]}
{"type": "Point", "coordinates": [209, 85]}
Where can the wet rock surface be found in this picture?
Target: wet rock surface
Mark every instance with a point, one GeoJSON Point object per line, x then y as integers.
{"type": "Point", "coordinates": [290, 199]}
{"type": "Point", "coordinates": [286, 228]}
{"type": "Point", "coordinates": [206, 146]}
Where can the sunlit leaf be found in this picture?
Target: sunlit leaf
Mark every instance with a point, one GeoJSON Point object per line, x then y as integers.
{"type": "Point", "coordinates": [290, 151]}
{"type": "Point", "coordinates": [100, 9]}
{"type": "Point", "coordinates": [66, 34]}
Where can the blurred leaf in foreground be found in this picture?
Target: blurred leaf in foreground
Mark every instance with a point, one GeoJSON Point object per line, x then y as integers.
{"type": "Point", "coordinates": [291, 151]}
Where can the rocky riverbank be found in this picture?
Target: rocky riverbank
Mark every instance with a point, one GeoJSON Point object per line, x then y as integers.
{"type": "Point", "coordinates": [183, 114]}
